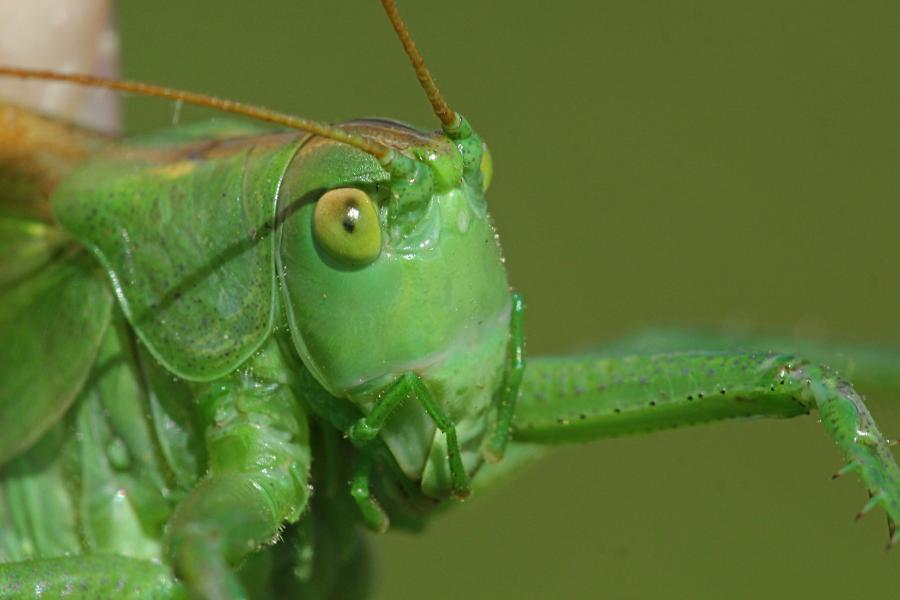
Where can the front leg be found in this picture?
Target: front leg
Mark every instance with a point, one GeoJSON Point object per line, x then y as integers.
{"type": "Point", "coordinates": [571, 399]}
{"type": "Point", "coordinates": [257, 440]}
{"type": "Point", "coordinates": [367, 428]}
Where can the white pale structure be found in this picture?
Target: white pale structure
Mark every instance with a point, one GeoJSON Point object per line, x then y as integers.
{"type": "Point", "coordinates": [64, 35]}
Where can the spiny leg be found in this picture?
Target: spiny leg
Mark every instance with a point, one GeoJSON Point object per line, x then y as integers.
{"type": "Point", "coordinates": [258, 445]}
{"type": "Point", "coordinates": [512, 379]}
{"type": "Point", "coordinates": [872, 367]}
{"type": "Point", "coordinates": [853, 429]}
{"type": "Point", "coordinates": [367, 428]}
{"type": "Point", "coordinates": [576, 399]}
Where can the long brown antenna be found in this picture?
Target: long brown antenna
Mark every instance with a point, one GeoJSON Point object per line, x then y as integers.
{"type": "Point", "coordinates": [443, 111]}
{"type": "Point", "coordinates": [381, 152]}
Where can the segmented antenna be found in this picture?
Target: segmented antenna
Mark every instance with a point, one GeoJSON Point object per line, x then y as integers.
{"type": "Point", "coordinates": [442, 110]}
{"type": "Point", "coordinates": [385, 155]}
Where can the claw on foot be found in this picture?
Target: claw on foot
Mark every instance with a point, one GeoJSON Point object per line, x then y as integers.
{"type": "Point", "coordinates": [874, 500]}
{"type": "Point", "coordinates": [849, 467]}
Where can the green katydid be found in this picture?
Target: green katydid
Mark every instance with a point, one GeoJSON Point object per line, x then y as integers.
{"type": "Point", "coordinates": [575, 417]}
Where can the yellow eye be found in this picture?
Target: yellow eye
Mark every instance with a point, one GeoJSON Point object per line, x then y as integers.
{"type": "Point", "coordinates": [345, 225]}
{"type": "Point", "coordinates": [487, 169]}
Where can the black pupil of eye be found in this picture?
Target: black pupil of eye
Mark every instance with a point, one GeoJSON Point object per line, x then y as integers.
{"type": "Point", "coordinates": [351, 216]}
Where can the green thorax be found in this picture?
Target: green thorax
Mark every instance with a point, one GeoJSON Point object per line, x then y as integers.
{"type": "Point", "coordinates": [182, 222]}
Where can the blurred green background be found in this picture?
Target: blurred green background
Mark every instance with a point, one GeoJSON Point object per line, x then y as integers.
{"type": "Point", "coordinates": [707, 163]}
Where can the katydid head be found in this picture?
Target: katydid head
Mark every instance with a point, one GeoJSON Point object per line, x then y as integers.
{"type": "Point", "coordinates": [431, 297]}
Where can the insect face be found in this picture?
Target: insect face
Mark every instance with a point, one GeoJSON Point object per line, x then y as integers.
{"type": "Point", "coordinates": [432, 299]}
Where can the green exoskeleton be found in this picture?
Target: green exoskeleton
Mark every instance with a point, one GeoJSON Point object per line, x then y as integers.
{"type": "Point", "coordinates": [180, 416]}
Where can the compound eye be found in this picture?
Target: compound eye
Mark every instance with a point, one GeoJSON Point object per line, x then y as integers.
{"type": "Point", "coordinates": [487, 169]}
{"type": "Point", "coordinates": [345, 225]}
